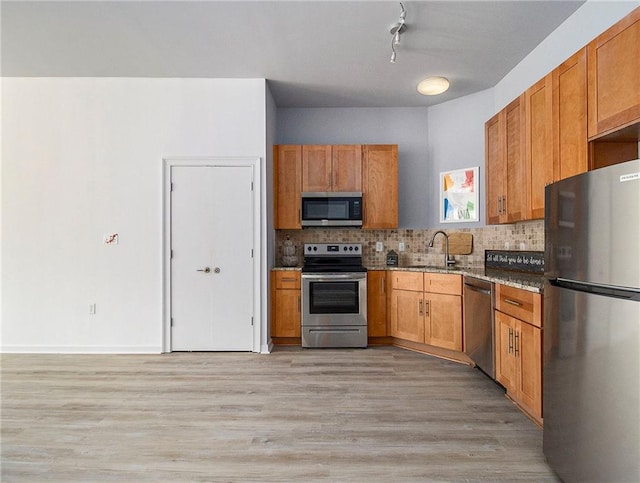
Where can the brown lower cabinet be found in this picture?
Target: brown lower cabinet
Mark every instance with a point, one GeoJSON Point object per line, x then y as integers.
{"type": "Point", "coordinates": [377, 303]}
{"type": "Point", "coordinates": [286, 305]}
{"type": "Point", "coordinates": [518, 347]}
{"type": "Point", "coordinates": [427, 308]}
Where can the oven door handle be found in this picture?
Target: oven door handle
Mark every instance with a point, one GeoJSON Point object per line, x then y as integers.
{"type": "Point", "coordinates": [330, 277]}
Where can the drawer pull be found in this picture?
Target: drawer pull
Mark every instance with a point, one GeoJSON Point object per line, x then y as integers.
{"type": "Point", "coordinates": [513, 302]}
{"type": "Point", "coordinates": [288, 279]}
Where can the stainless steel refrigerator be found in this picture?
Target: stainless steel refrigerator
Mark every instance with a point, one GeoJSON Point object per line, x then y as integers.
{"type": "Point", "coordinates": [591, 382]}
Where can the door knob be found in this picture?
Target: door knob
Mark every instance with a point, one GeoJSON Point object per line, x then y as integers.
{"type": "Point", "coordinates": [216, 270]}
{"type": "Point", "coordinates": [206, 269]}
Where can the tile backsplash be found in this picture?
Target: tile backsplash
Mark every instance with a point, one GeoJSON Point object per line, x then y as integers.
{"type": "Point", "coordinates": [520, 236]}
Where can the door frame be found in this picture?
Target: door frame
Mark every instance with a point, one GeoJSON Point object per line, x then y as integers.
{"type": "Point", "coordinates": [228, 161]}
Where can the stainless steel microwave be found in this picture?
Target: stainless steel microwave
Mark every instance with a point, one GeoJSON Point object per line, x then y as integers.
{"type": "Point", "coordinates": [332, 209]}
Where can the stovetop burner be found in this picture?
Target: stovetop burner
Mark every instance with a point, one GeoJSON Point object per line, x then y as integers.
{"type": "Point", "coordinates": [333, 257]}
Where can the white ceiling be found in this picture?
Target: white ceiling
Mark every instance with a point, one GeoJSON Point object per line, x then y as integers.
{"type": "Point", "coordinates": [314, 53]}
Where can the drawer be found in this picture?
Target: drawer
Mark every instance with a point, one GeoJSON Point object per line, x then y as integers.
{"type": "Point", "coordinates": [445, 283]}
{"type": "Point", "coordinates": [287, 279]}
{"type": "Point", "coordinates": [521, 304]}
{"type": "Point", "coordinates": [407, 281]}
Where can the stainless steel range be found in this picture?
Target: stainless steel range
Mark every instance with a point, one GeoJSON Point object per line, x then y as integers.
{"type": "Point", "coordinates": [334, 296]}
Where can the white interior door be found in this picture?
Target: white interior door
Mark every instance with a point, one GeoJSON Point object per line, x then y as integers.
{"type": "Point", "coordinates": [212, 252]}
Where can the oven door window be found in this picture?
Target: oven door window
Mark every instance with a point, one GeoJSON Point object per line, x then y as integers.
{"type": "Point", "coordinates": [334, 298]}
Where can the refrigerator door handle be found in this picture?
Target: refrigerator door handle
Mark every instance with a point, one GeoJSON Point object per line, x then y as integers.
{"type": "Point", "coordinates": [598, 289]}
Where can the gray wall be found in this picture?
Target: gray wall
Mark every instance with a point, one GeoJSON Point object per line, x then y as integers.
{"type": "Point", "coordinates": [456, 140]}
{"type": "Point", "coordinates": [430, 140]}
{"type": "Point", "coordinates": [406, 127]}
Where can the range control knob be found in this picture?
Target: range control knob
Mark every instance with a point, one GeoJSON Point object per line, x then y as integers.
{"type": "Point", "coordinates": [315, 249]}
{"type": "Point", "coordinates": [356, 248]}
{"type": "Point", "coordinates": [350, 249]}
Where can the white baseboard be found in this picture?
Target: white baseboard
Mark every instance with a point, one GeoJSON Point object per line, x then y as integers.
{"type": "Point", "coordinates": [267, 348]}
{"type": "Point", "coordinates": [23, 349]}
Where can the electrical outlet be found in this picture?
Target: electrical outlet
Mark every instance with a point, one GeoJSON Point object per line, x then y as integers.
{"type": "Point", "coordinates": [92, 309]}
{"type": "Point", "coordinates": [379, 246]}
{"type": "Point", "coordinates": [506, 245]}
{"type": "Point", "coordinates": [401, 246]}
{"type": "Point", "coordinates": [523, 246]}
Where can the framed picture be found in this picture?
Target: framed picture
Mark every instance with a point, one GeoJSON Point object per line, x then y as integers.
{"type": "Point", "coordinates": [459, 196]}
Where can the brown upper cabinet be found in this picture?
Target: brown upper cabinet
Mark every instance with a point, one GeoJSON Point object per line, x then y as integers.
{"type": "Point", "coordinates": [593, 96]}
{"type": "Point", "coordinates": [570, 147]}
{"type": "Point", "coordinates": [505, 164]}
{"type": "Point", "coordinates": [380, 186]}
{"type": "Point", "coordinates": [332, 168]}
{"type": "Point", "coordinates": [556, 129]}
{"type": "Point", "coordinates": [370, 169]}
{"type": "Point", "coordinates": [614, 77]}
{"type": "Point", "coordinates": [287, 186]}
{"type": "Point", "coordinates": [539, 160]}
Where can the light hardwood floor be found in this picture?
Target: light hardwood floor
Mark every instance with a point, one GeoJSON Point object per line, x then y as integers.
{"type": "Point", "coordinates": [381, 414]}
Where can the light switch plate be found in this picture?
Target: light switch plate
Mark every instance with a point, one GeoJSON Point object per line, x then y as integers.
{"type": "Point", "coordinates": [401, 246]}
{"type": "Point", "coordinates": [379, 246]}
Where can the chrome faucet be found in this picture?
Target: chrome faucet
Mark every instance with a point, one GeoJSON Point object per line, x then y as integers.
{"type": "Point", "coordinates": [448, 260]}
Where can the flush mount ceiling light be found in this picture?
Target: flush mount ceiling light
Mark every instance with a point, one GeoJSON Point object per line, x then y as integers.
{"type": "Point", "coordinates": [396, 29]}
{"type": "Point", "coordinates": [433, 86]}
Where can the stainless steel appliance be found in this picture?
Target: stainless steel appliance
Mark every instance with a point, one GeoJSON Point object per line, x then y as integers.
{"type": "Point", "coordinates": [592, 326]}
{"type": "Point", "coordinates": [478, 324]}
{"type": "Point", "coordinates": [334, 296]}
{"type": "Point", "coordinates": [332, 209]}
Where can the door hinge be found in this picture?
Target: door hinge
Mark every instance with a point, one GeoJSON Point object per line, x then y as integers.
{"type": "Point", "coordinates": [172, 186]}
{"type": "Point", "coordinates": [252, 253]}
{"type": "Point", "coordinates": [251, 320]}
{"type": "Point", "coordinates": [252, 186]}
{"type": "Point", "coordinates": [171, 321]}
{"type": "Point", "coordinates": [171, 254]}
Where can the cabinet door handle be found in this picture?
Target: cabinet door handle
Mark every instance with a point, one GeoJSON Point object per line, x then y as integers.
{"type": "Point", "coordinates": [419, 307]}
{"type": "Point", "coordinates": [498, 205]}
{"type": "Point", "coordinates": [504, 205]}
{"type": "Point", "coordinates": [299, 304]}
{"type": "Point", "coordinates": [517, 338]}
{"type": "Point", "coordinates": [510, 341]}
{"type": "Point", "coordinates": [513, 302]}
{"type": "Point", "coordinates": [426, 308]}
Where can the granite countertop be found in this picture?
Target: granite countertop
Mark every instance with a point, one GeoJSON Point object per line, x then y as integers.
{"type": "Point", "coordinates": [526, 281]}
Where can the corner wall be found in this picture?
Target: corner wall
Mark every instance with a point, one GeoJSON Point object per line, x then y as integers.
{"type": "Point", "coordinates": [83, 157]}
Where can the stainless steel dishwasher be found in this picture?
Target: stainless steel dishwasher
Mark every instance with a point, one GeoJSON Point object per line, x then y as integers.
{"type": "Point", "coordinates": [478, 324]}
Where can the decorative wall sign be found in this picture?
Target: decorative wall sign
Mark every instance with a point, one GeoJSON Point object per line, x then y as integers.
{"type": "Point", "coordinates": [520, 261]}
{"type": "Point", "coordinates": [459, 196]}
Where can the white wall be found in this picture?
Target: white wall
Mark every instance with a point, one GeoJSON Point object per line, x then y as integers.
{"type": "Point", "coordinates": [589, 21]}
{"type": "Point", "coordinates": [83, 157]}
{"type": "Point", "coordinates": [406, 127]}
